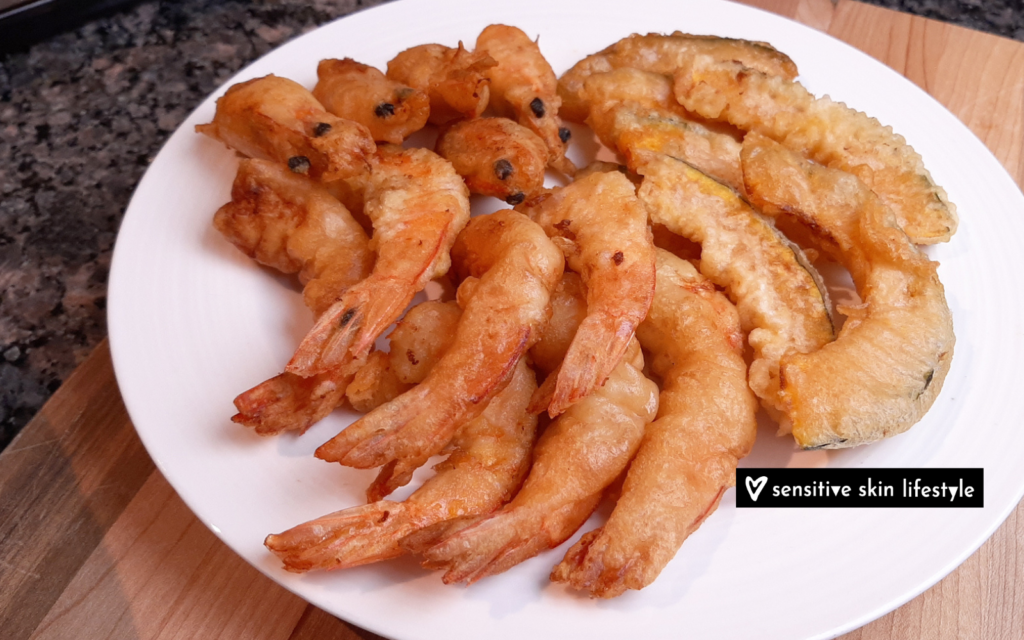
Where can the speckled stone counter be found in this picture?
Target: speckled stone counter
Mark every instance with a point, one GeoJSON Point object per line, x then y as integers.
{"type": "Point", "coordinates": [81, 116]}
{"type": "Point", "coordinates": [83, 113]}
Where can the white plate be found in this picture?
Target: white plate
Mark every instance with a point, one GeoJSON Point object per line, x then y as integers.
{"type": "Point", "coordinates": [193, 323]}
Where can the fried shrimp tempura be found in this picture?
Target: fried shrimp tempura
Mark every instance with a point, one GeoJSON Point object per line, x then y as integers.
{"type": "Point", "coordinates": [688, 456]}
{"type": "Point", "coordinates": [886, 368]}
{"type": "Point", "coordinates": [664, 54]}
{"type": "Point", "coordinates": [418, 205]}
{"type": "Point", "coordinates": [416, 344]}
{"type": "Point", "coordinates": [278, 119]}
{"type": "Point", "coordinates": [496, 157]}
{"type": "Point", "coordinates": [360, 93]}
{"type": "Point", "coordinates": [602, 229]}
{"type": "Point", "coordinates": [828, 132]}
{"type": "Point", "coordinates": [568, 309]}
{"type": "Point", "coordinates": [512, 269]}
{"type": "Point", "coordinates": [524, 88]}
{"type": "Point", "coordinates": [578, 456]}
{"type": "Point", "coordinates": [490, 458]}
{"type": "Point", "coordinates": [292, 224]}
{"type": "Point", "coordinates": [781, 301]}
{"type": "Point", "coordinates": [454, 79]}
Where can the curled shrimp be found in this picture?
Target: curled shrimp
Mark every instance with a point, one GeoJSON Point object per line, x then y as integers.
{"type": "Point", "coordinates": [578, 456]}
{"type": "Point", "coordinates": [454, 79]}
{"type": "Point", "coordinates": [512, 268]}
{"type": "Point", "coordinates": [418, 205]}
{"type": "Point", "coordinates": [491, 455]}
{"type": "Point", "coordinates": [688, 456]}
{"type": "Point", "coordinates": [418, 342]}
{"type": "Point", "coordinates": [278, 119]}
{"type": "Point", "coordinates": [390, 110]}
{"type": "Point", "coordinates": [291, 223]}
{"type": "Point", "coordinates": [524, 88]}
{"type": "Point", "coordinates": [602, 228]}
{"type": "Point", "coordinates": [497, 157]}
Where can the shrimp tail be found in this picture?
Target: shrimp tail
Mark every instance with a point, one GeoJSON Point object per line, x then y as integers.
{"type": "Point", "coordinates": [288, 402]}
{"type": "Point", "coordinates": [336, 327]}
{"type": "Point", "coordinates": [541, 398]}
{"type": "Point", "coordinates": [348, 538]}
{"type": "Point", "coordinates": [392, 475]}
{"type": "Point", "coordinates": [584, 569]}
{"type": "Point", "coordinates": [418, 542]}
{"type": "Point", "coordinates": [598, 347]}
{"type": "Point", "coordinates": [594, 563]}
{"type": "Point", "coordinates": [346, 331]}
{"type": "Point", "coordinates": [351, 446]}
{"type": "Point", "coordinates": [506, 539]}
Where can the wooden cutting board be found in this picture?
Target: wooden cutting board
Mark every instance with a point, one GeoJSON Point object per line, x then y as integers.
{"type": "Point", "coordinates": [95, 544]}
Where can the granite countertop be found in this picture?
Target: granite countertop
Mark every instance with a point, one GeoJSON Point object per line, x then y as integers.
{"type": "Point", "coordinates": [83, 113]}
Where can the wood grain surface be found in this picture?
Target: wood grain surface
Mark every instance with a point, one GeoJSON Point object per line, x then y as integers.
{"type": "Point", "coordinates": [94, 543]}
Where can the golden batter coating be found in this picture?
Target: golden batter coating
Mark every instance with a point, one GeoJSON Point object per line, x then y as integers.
{"type": "Point", "coordinates": [828, 132]}
{"type": "Point", "coordinates": [512, 269]}
{"type": "Point", "coordinates": [688, 456]}
{"type": "Point", "coordinates": [275, 118]}
{"type": "Point", "coordinates": [454, 79]}
{"type": "Point", "coordinates": [490, 458]}
{"type": "Point", "coordinates": [418, 205]}
{"type": "Point", "coordinates": [578, 456]}
{"type": "Point", "coordinates": [664, 54]}
{"type": "Point", "coordinates": [291, 223]}
{"type": "Point", "coordinates": [524, 88]}
{"type": "Point", "coordinates": [602, 229]}
{"type": "Point", "coordinates": [886, 368]}
{"type": "Point", "coordinates": [361, 93]}
{"type": "Point", "coordinates": [496, 157]}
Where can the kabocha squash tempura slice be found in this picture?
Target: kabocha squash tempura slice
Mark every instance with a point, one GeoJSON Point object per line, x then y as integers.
{"type": "Point", "coordinates": [659, 53]}
{"type": "Point", "coordinates": [827, 132]}
{"type": "Point", "coordinates": [781, 301]}
{"type": "Point", "coordinates": [636, 132]}
{"type": "Point", "coordinates": [886, 368]}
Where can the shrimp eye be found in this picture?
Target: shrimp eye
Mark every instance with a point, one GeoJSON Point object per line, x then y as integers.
{"type": "Point", "coordinates": [299, 164]}
{"type": "Point", "coordinates": [384, 110]}
{"type": "Point", "coordinates": [503, 169]}
{"type": "Point", "coordinates": [321, 129]}
{"type": "Point", "coordinates": [516, 198]}
{"type": "Point", "coordinates": [618, 258]}
{"type": "Point", "coordinates": [346, 317]}
{"type": "Point", "coordinates": [564, 134]}
{"type": "Point", "coordinates": [537, 107]}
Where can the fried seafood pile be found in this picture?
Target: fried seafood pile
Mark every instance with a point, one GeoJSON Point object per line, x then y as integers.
{"type": "Point", "coordinates": [614, 337]}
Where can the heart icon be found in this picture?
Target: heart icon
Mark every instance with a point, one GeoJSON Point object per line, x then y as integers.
{"type": "Point", "coordinates": [754, 486]}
